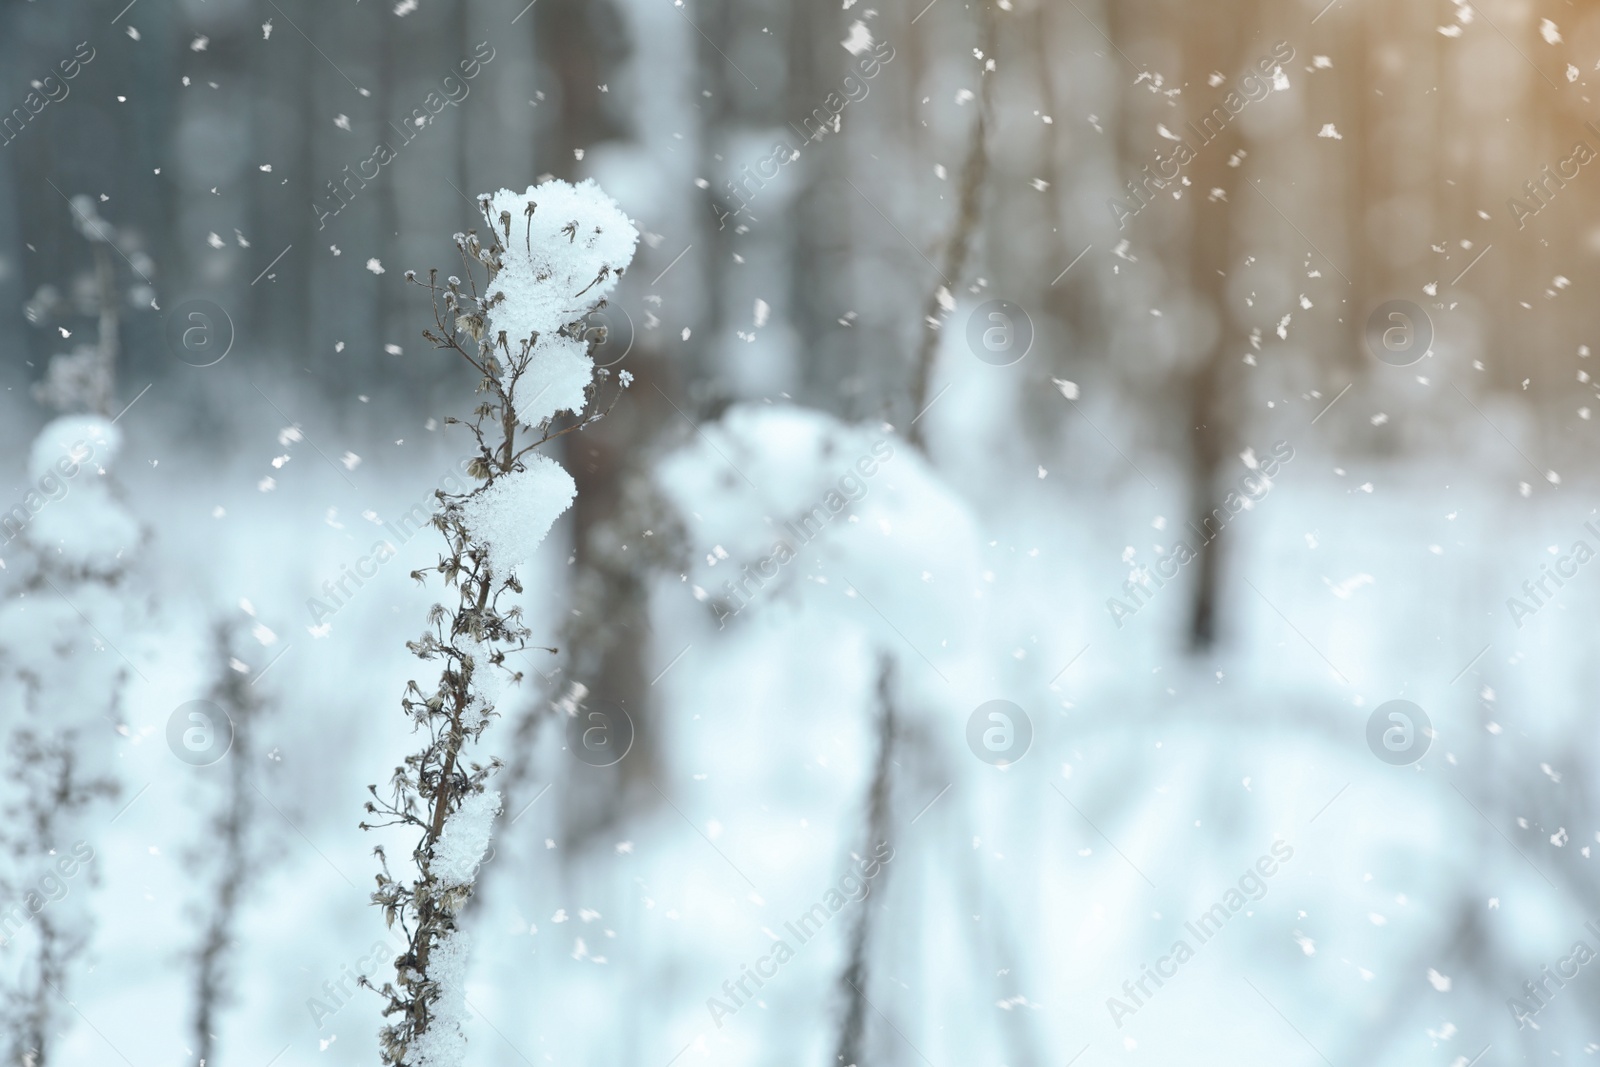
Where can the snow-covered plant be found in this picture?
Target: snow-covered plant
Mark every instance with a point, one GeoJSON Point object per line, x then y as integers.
{"type": "Point", "coordinates": [44, 920]}
{"type": "Point", "coordinates": [226, 866]}
{"type": "Point", "coordinates": [62, 691]}
{"type": "Point", "coordinates": [65, 636]}
{"type": "Point", "coordinates": [549, 256]}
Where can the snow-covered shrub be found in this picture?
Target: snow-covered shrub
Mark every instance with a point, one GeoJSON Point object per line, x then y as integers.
{"type": "Point", "coordinates": [62, 685]}
{"type": "Point", "coordinates": [70, 638]}
{"type": "Point", "coordinates": [832, 511]}
{"type": "Point", "coordinates": [551, 254]}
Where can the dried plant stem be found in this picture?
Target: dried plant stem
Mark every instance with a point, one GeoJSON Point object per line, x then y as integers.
{"type": "Point", "coordinates": [969, 211]}
{"type": "Point", "coordinates": [105, 280]}
{"type": "Point", "coordinates": [231, 827]}
{"type": "Point", "coordinates": [57, 788]}
{"type": "Point", "coordinates": [854, 976]}
{"type": "Point", "coordinates": [472, 637]}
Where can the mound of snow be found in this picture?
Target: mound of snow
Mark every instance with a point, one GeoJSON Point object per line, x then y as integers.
{"type": "Point", "coordinates": [555, 381]}
{"type": "Point", "coordinates": [848, 520]}
{"type": "Point", "coordinates": [513, 515]}
{"type": "Point", "coordinates": [75, 519]}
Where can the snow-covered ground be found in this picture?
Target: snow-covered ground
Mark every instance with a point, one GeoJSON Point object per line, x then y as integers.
{"type": "Point", "coordinates": [1018, 900]}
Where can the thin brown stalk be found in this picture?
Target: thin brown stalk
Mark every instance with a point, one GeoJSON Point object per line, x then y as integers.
{"type": "Point", "coordinates": [855, 975]}
{"type": "Point", "coordinates": [969, 212]}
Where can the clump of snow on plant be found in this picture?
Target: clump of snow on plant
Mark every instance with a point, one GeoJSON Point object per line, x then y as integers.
{"type": "Point", "coordinates": [575, 235]}
{"type": "Point", "coordinates": [443, 1043]}
{"type": "Point", "coordinates": [74, 438]}
{"type": "Point", "coordinates": [515, 512]}
{"type": "Point", "coordinates": [853, 494]}
{"type": "Point", "coordinates": [80, 525]}
{"type": "Point", "coordinates": [565, 248]}
{"type": "Point", "coordinates": [555, 381]}
{"type": "Point", "coordinates": [489, 682]}
{"type": "Point", "coordinates": [476, 712]}
{"type": "Point", "coordinates": [465, 839]}
{"type": "Point", "coordinates": [845, 520]}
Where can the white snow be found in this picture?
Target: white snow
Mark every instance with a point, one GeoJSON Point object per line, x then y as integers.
{"type": "Point", "coordinates": [488, 681]}
{"type": "Point", "coordinates": [552, 258]}
{"type": "Point", "coordinates": [565, 247]}
{"type": "Point", "coordinates": [555, 381]}
{"type": "Point", "coordinates": [80, 524]}
{"type": "Point", "coordinates": [860, 38]}
{"type": "Point", "coordinates": [63, 438]}
{"type": "Point", "coordinates": [515, 513]}
{"type": "Point", "coordinates": [465, 838]}
{"type": "Point", "coordinates": [444, 1044]}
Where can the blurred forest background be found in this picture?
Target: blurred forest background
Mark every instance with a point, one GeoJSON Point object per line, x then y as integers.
{"type": "Point", "coordinates": [777, 325]}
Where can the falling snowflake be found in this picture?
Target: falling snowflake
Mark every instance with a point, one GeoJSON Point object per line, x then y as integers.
{"type": "Point", "coordinates": [860, 38]}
